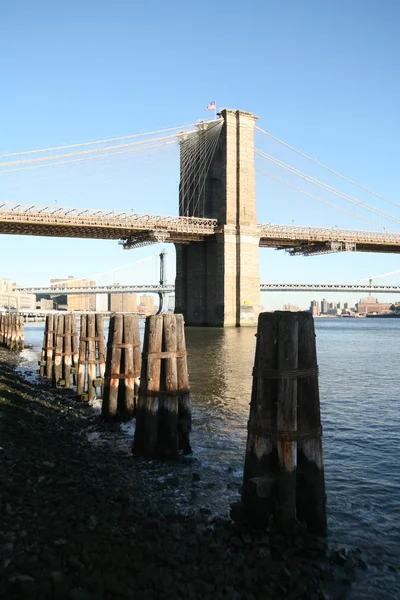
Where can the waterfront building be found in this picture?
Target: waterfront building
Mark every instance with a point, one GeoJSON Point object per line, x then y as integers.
{"type": "Point", "coordinates": [291, 307]}
{"type": "Point", "coordinates": [77, 301]}
{"type": "Point", "coordinates": [371, 305]}
{"type": "Point", "coordinates": [15, 300]}
{"type": "Point", "coordinates": [324, 307]}
{"type": "Point", "coordinates": [314, 308]}
{"type": "Point", "coordinates": [44, 304]}
{"type": "Point", "coordinates": [124, 302]}
{"type": "Point", "coordinates": [146, 305]}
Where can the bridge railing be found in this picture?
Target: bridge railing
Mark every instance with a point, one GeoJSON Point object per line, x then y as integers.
{"type": "Point", "coordinates": [315, 234]}
{"type": "Point", "coordinates": [57, 215]}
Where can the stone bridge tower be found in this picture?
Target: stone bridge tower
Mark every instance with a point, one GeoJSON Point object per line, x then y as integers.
{"type": "Point", "coordinates": [217, 280]}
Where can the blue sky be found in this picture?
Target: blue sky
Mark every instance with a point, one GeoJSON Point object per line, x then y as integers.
{"type": "Point", "coordinates": [322, 75]}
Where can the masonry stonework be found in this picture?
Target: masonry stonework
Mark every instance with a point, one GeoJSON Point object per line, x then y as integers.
{"type": "Point", "coordinates": [217, 280]}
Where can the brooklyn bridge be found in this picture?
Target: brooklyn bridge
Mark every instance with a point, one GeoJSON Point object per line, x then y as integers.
{"type": "Point", "coordinates": [216, 233]}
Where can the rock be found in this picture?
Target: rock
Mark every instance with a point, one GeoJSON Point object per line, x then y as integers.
{"type": "Point", "coordinates": [22, 578]}
{"type": "Point", "coordinates": [80, 594]}
{"type": "Point", "coordinates": [57, 577]}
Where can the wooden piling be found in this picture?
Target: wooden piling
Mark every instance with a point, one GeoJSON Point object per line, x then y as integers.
{"type": "Point", "coordinates": [12, 331]}
{"type": "Point", "coordinates": [122, 367]}
{"type": "Point", "coordinates": [91, 335]}
{"type": "Point", "coordinates": [60, 358]}
{"type": "Point", "coordinates": [81, 370]}
{"type": "Point", "coordinates": [90, 369]}
{"type": "Point", "coordinates": [58, 351]}
{"type": "Point", "coordinates": [163, 412]}
{"type": "Point", "coordinates": [284, 428]}
{"type": "Point", "coordinates": [184, 405]}
{"type": "Point", "coordinates": [310, 491]}
{"type": "Point", "coordinates": [146, 431]}
{"type": "Point", "coordinates": [50, 341]}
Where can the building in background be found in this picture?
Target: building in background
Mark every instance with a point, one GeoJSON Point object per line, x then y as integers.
{"type": "Point", "coordinates": [15, 300]}
{"type": "Point", "coordinates": [146, 305]}
{"type": "Point", "coordinates": [291, 307]}
{"type": "Point", "coordinates": [371, 305]}
{"type": "Point", "coordinates": [44, 304]}
{"type": "Point", "coordinates": [101, 302]}
{"type": "Point", "coordinates": [314, 308]}
{"type": "Point", "coordinates": [77, 301]}
{"type": "Point", "coordinates": [124, 302]}
{"type": "Point", "coordinates": [324, 307]}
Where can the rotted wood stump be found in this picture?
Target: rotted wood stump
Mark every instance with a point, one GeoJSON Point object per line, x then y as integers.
{"type": "Point", "coordinates": [283, 473]}
{"type": "Point", "coordinates": [122, 367]}
{"type": "Point", "coordinates": [163, 417]}
{"type": "Point", "coordinates": [64, 356]}
{"type": "Point", "coordinates": [12, 331]}
{"type": "Point", "coordinates": [92, 358]}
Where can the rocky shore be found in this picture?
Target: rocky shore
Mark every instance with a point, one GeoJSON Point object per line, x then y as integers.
{"type": "Point", "coordinates": [78, 522]}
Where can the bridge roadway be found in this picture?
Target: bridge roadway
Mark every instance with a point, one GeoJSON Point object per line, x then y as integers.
{"type": "Point", "coordinates": [136, 229]}
{"type": "Point", "coordinates": [169, 289]}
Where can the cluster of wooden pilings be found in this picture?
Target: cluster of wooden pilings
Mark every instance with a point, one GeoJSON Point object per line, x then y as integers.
{"type": "Point", "coordinates": [12, 331]}
{"type": "Point", "coordinates": [59, 356]}
{"type": "Point", "coordinates": [283, 474]}
{"type": "Point", "coordinates": [163, 419]}
{"type": "Point", "coordinates": [112, 373]}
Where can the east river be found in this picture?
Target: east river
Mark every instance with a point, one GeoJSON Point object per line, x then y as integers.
{"type": "Point", "coordinates": [359, 362]}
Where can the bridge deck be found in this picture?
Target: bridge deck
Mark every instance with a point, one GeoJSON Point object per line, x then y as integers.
{"type": "Point", "coordinates": [286, 237]}
{"type": "Point", "coordinates": [137, 229]}
{"type": "Point", "coordinates": [53, 221]}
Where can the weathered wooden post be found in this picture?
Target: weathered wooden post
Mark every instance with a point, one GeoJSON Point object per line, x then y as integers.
{"type": "Point", "coordinates": [284, 428]}
{"type": "Point", "coordinates": [48, 347]}
{"type": "Point", "coordinates": [57, 363]}
{"type": "Point", "coordinates": [91, 362]}
{"type": "Point", "coordinates": [163, 411]}
{"type": "Point", "coordinates": [63, 366]}
{"type": "Point", "coordinates": [21, 333]}
{"type": "Point", "coordinates": [122, 367]}
{"type": "Point", "coordinates": [311, 496]}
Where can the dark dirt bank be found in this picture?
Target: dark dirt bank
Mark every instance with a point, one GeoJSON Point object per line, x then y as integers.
{"type": "Point", "coordinates": [79, 522]}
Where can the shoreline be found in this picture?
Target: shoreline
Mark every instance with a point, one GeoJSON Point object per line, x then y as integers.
{"type": "Point", "coordinates": [80, 521]}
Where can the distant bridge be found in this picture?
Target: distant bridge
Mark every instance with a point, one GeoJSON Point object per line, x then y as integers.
{"type": "Point", "coordinates": [170, 289]}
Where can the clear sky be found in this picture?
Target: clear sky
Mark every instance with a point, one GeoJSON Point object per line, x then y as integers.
{"type": "Point", "coordinates": [323, 75]}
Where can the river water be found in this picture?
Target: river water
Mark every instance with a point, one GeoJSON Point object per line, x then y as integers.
{"type": "Point", "coordinates": [359, 361]}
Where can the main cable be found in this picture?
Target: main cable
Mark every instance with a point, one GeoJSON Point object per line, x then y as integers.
{"type": "Point", "coordinates": [107, 140]}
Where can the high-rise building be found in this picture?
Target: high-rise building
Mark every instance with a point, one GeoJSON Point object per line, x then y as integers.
{"type": "Point", "coordinates": [77, 301]}
{"type": "Point", "coordinates": [314, 308]}
{"type": "Point", "coordinates": [324, 307]}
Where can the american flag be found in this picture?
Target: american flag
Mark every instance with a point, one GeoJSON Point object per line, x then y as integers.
{"type": "Point", "coordinates": [211, 106]}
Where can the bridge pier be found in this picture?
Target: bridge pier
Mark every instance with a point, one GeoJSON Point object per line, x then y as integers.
{"type": "Point", "coordinates": [217, 280]}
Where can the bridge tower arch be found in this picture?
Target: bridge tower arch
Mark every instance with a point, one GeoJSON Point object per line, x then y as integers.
{"type": "Point", "coordinates": [218, 280]}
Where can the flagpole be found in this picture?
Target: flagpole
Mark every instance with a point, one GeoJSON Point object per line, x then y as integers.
{"type": "Point", "coordinates": [215, 111]}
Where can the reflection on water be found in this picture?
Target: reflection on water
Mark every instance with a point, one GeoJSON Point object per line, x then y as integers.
{"type": "Point", "coordinates": [359, 364]}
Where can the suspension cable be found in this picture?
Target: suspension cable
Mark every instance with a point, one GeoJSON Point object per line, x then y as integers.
{"type": "Point", "coordinates": [327, 168]}
{"type": "Point", "coordinates": [107, 140]}
{"type": "Point", "coordinates": [327, 187]}
{"type": "Point", "coordinates": [321, 199]}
